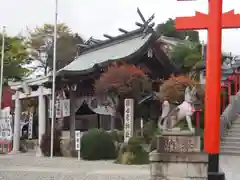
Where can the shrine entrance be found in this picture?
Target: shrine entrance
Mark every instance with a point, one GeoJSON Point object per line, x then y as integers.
{"type": "Point", "coordinates": [29, 89]}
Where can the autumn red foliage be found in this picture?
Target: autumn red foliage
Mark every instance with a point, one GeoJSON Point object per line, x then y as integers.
{"type": "Point", "coordinates": [122, 81]}
{"type": "Point", "coordinates": [173, 89]}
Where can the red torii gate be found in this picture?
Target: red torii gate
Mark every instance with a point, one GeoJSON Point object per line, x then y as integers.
{"type": "Point", "coordinates": [214, 22]}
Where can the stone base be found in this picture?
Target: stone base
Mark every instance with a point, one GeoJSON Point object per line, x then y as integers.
{"type": "Point", "coordinates": [177, 132]}
{"type": "Point", "coordinates": [13, 152]}
{"type": "Point", "coordinates": [39, 152]}
{"type": "Point", "coordinates": [178, 143]}
{"type": "Point", "coordinates": [178, 165]}
{"type": "Point", "coordinates": [216, 176]}
{"type": "Point", "coordinates": [176, 178]}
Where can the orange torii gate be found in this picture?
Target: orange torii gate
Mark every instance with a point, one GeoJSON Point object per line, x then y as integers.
{"type": "Point", "coordinates": [214, 22]}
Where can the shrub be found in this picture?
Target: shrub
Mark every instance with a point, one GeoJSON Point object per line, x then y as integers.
{"type": "Point", "coordinates": [136, 140]}
{"type": "Point", "coordinates": [133, 152]}
{"type": "Point", "coordinates": [23, 146]}
{"type": "Point", "coordinates": [153, 144]}
{"type": "Point", "coordinates": [96, 145]}
{"type": "Point", "coordinates": [149, 130]}
{"type": "Point", "coordinates": [117, 136]}
{"type": "Point", "coordinates": [46, 143]}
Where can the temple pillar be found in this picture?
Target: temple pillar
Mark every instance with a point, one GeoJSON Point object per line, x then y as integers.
{"type": "Point", "coordinates": [41, 117]}
{"type": "Point", "coordinates": [17, 117]}
{"type": "Point", "coordinates": [72, 119]}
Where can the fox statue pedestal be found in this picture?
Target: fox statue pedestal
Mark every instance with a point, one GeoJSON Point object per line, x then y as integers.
{"type": "Point", "coordinates": [178, 156]}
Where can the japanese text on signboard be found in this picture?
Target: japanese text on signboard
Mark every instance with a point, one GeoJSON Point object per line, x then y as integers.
{"type": "Point", "coordinates": [128, 119]}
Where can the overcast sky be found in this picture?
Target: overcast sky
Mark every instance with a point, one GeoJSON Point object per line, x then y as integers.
{"type": "Point", "coordinates": [96, 17]}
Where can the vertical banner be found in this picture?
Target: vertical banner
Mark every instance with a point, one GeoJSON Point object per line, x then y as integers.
{"type": "Point", "coordinates": [58, 109]}
{"type": "Point", "coordinates": [77, 140]}
{"type": "Point", "coordinates": [5, 124]}
{"type": "Point", "coordinates": [128, 119]}
{"type": "Point", "coordinates": [62, 108]}
{"type": "Point", "coordinates": [50, 109]}
{"type": "Point", "coordinates": [30, 126]}
{"type": "Point", "coordinates": [65, 107]}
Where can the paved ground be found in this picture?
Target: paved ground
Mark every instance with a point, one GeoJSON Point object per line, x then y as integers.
{"type": "Point", "coordinates": [230, 166]}
{"type": "Point", "coordinates": [29, 167]}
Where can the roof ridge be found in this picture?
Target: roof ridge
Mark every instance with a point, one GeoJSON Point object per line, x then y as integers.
{"type": "Point", "coordinates": [120, 38]}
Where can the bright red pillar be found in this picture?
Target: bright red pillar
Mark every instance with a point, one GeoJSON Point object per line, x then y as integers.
{"type": "Point", "coordinates": [213, 78]}
{"type": "Point", "coordinates": [214, 21]}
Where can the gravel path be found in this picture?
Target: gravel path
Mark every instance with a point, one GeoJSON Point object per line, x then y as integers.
{"type": "Point", "coordinates": [29, 167]}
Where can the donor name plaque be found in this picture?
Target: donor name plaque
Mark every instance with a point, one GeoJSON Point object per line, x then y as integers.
{"type": "Point", "coordinates": [178, 144]}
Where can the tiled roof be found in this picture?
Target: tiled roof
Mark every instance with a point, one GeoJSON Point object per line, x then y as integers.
{"type": "Point", "coordinates": [99, 54]}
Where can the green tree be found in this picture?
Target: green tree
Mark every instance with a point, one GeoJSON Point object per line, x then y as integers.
{"type": "Point", "coordinates": [15, 57]}
{"type": "Point", "coordinates": [186, 56]}
{"type": "Point", "coordinates": [41, 41]}
{"type": "Point", "coordinates": [168, 29]}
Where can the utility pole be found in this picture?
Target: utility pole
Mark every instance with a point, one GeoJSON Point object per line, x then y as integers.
{"type": "Point", "coordinates": [2, 63]}
{"type": "Point", "coordinates": [54, 78]}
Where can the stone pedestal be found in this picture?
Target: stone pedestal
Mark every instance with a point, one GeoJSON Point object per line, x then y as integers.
{"type": "Point", "coordinates": [178, 157]}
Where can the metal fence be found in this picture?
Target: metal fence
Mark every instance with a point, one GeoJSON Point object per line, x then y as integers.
{"type": "Point", "coordinates": [230, 114]}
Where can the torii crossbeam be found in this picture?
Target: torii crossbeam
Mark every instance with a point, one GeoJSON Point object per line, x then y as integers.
{"type": "Point", "coordinates": [214, 22]}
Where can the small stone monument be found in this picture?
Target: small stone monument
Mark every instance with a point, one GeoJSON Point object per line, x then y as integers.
{"type": "Point", "coordinates": [178, 156]}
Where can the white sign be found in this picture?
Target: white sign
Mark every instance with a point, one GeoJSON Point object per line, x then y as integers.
{"type": "Point", "coordinates": [62, 108]}
{"type": "Point", "coordinates": [77, 140]}
{"type": "Point", "coordinates": [5, 124]}
{"type": "Point", "coordinates": [58, 109]}
{"type": "Point", "coordinates": [30, 126]}
{"type": "Point", "coordinates": [65, 107]}
{"type": "Point", "coordinates": [128, 119]}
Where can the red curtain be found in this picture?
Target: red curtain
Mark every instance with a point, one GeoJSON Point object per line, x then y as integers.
{"type": "Point", "coordinates": [7, 97]}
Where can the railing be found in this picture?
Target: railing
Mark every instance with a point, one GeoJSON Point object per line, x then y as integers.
{"type": "Point", "coordinates": [5, 147]}
{"type": "Point", "coordinates": [230, 113]}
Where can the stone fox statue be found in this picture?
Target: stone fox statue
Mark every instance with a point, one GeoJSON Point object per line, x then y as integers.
{"type": "Point", "coordinates": [184, 110]}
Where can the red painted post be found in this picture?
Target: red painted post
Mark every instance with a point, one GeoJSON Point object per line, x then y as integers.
{"type": "Point", "coordinates": [235, 83]}
{"type": "Point", "coordinates": [1, 146]}
{"type": "Point", "coordinates": [9, 146]}
{"type": "Point", "coordinates": [238, 80]}
{"type": "Point", "coordinates": [223, 97]}
{"type": "Point", "coordinates": [198, 119]}
{"type": "Point", "coordinates": [229, 89]}
{"type": "Point", "coordinates": [213, 78]}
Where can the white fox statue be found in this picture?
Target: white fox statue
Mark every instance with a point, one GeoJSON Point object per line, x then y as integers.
{"type": "Point", "coordinates": [184, 110]}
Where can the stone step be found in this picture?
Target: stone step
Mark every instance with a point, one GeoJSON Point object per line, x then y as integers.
{"type": "Point", "coordinates": [231, 153]}
{"type": "Point", "coordinates": [233, 130]}
{"type": "Point", "coordinates": [236, 122]}
{"type": "Point", "coordinates": [230, 144]}
{"type": "Point", "coordinates": [231, 139]}
{"type": "Point", "coordinates": [234, 125]}
{"type": "Point", "coordinates": [232, 134]}
{"type": "Point", "coordinates": [230, 148]}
